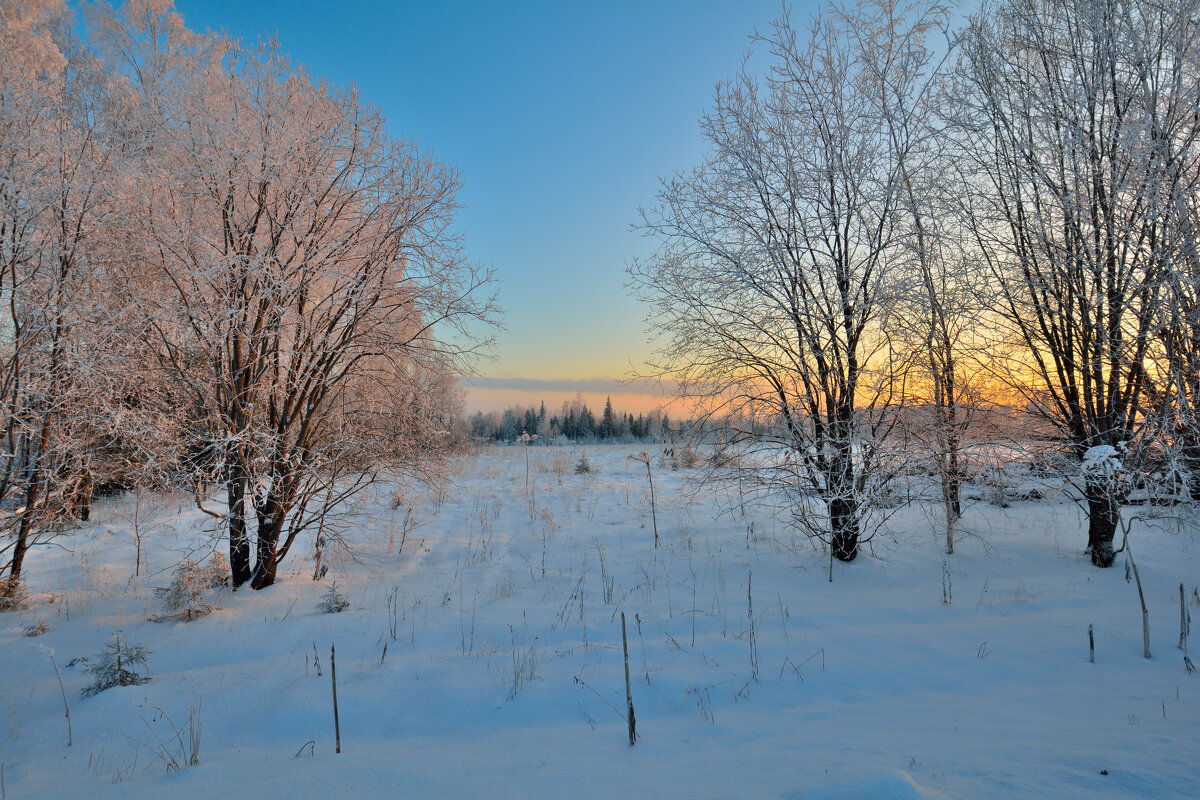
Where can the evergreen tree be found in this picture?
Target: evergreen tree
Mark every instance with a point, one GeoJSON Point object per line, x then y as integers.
{"type": "Point", "coordinates": [608, 423]}
{"type": "Point", "coordinates": [509, 426]}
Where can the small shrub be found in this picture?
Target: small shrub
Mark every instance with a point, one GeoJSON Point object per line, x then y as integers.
{"type": "Point", "coordinates": [559, 465]}
{"type": "Point", "coordinates": [12, 598]}
{"type": "Point", "coordinates": [997, 495]}
{"type": "Point", "coordinates": [722, 457]}
{"type": "Point", "coordinates": [688, 457]}
{"type": "Point", "coordinates": [583, 466]}
{"type": "Point", "coordinates": [333, 601]}
{"type": "Point", "coordinates": [118, 665]}
{"type": "Point", "coordinates": [36, 630]}
{"type": "Point", "coordinates": [1028, 491]}
{"type": "Point", "coordinates": [888, 498]}
{"type": "Point", "coordinates": [186, 597]}
{"type": "Point", "coordinates": [217, 571]}
{"type": "Point", "coordinates": [399, 498]}
{"type": "Point", "coordinates": [997, 489]}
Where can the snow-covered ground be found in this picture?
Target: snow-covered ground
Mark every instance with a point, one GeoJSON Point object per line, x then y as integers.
{"type": "Point", "coordinates": [503, 673]}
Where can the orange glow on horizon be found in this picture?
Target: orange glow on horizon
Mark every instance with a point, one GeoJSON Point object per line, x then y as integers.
{"type": "Point", "coordinates": [487, 399]}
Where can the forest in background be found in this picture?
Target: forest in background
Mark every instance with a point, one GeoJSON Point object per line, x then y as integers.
{"type": "Point", "coordinates": [574, 422]}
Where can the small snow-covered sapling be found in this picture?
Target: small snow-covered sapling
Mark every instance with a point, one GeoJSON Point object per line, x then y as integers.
{"type": "Point", "coordinates": [119, 665]}
{"type": "Point", "coordinates": [186, 597]}
{"type": "Point", "coordinates": [333, 601]}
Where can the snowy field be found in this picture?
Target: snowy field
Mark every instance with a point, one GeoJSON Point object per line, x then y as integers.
{"type": "Point", "coordinates": [500, 611]}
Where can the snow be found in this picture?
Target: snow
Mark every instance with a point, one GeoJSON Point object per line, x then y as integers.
{"type": "Point", "coordinates": [1101, 461]}
{"type": "Point", "coordinates": [505, 676]}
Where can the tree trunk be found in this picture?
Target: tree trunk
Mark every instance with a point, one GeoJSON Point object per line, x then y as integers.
{"type": "Point", "coordinates": [1102, 525]}
{"type": "Point", "coordinates": [24, 527]}
{"type": "Point", "coordinates": [843, 524]}
{"type": "Point", "coordinates": [951, 494]}
{"type": "Point", "coordinates": [270, 524]}
{"type": "Point", "coordinates": [33, 494]}
{"type": "Point", "coordinates": [953, 475]}
{"type": "Point", "coordinates": [11, 587]}
{"type": "Point", "coordinates": [84, 497]}
{"type": "Point", "coordinates": [239, 542]}
{"type": "Point", "coordinates": [1191, 464]}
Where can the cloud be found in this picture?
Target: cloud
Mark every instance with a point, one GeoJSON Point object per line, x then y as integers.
{"type": "Point", "coordinates": [584, 385]}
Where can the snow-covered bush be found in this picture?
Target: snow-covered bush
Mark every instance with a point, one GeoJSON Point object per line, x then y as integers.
{"type": "Point", "coordinates": [1028, 491]}
{"type": "Point", "coordinates": [186, 597]}
{"type": "Point", "coordinates": [12, 599]}
{"type": "Point", "coordinates": [119, 665]}
{"type": "Point", "coordinates": [583, 466]}
{"type": "Point", "coordinates": [887, 497]}
{"type": "Point", "coordinates": [688, 456]}
{"type": "Point", "coordinates": [333, 601]}
{"type": "Point", "coordinates": [217, 570]}
{"type": "Point", "coordinates": [997, 488]}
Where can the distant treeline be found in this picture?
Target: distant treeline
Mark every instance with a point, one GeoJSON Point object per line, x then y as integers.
{"type": "Point", "coordinates": [574, 422]}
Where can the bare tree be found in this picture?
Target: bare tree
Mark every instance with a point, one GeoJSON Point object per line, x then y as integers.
{"type": "Point", "coordinates": [1081, 119]}
{"type": "Point", "coordinates": [939, 306]}
{"type": "Point", "coordinates": [778, 261]}
{"type": "Point", "coordinates": [1178, 329]}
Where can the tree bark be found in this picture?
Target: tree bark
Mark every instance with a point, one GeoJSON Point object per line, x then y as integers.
{"type": "Point", "coordinates": [270, 523]}
{"type": "Point", "coordinates": [1102, 525]}
{"type": "Point", "coordinates": [239, 541]}
{"type": "Point", "coordinates": [844, 529]}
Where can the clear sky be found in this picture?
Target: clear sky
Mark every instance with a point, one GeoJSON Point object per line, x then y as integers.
{"type": "Point", "coordinates": [561, 117]}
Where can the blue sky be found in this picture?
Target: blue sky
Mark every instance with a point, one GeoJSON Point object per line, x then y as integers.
{"type": "Point", "coordinates": [561, 118]}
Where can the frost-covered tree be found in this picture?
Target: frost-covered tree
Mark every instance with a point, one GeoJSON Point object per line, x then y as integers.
{"type": "Point", "coordinates": [300, 278]}
{"type": "Point", "coordinates": [936, 320]}
{"type": "Point", "coordinates": [778, 260]}
{"type": "Point", "coordinates": [1080, 118]}
{"type": "Point", "coordinates": [608, 421]}
{"type": "Point", "coordinates": [120, 664]}
{"type": "Point", "coordinates": [58, 141]}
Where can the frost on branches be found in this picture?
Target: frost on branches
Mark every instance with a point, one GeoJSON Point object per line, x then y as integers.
{"type": "Point", "coordinates": [121, 664]}
{"type": "Point", "coordinates": [191, 303]}
{"type": "Point", "coordinates": [187, 596]}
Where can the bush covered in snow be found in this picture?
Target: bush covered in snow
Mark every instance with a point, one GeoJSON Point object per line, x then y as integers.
{"type": "Point", "coordinates": [187, 596]}
{"type": "Point", "coordinates": [333, 601]}
{"type": "Point", "coordinates": [120, 664]}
